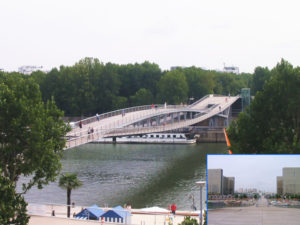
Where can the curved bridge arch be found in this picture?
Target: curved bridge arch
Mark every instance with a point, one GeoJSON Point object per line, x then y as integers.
{"type": "Point", "coordinates": [149, 119]}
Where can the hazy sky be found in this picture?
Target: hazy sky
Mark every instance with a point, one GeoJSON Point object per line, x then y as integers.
{"type": "Point", "coordinates": [246, 33]}
{"type": "Point", "coordinates": [253, 171]}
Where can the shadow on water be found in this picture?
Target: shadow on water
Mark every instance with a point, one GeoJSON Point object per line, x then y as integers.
{"type": "Point", "coordinates": [189, 167]}
{"type": "Point", "coordinates": [137, 174]}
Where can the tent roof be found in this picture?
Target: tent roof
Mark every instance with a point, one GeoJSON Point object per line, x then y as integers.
{"type": "Point", "coordinates": [94, 211]}
{"type": "Point", "coordinates": [118, 211]}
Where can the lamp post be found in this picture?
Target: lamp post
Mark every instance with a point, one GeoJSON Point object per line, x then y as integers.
{"type": "Point", "coordinates": [201, 184]}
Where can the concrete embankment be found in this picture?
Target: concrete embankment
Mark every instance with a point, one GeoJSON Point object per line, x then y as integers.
{"type": "Point", "coordinates": [211, 136]}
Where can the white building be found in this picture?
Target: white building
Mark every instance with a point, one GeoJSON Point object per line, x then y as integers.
{"type": "Point", "coordinates": [231, 69]}
{"type": "Point", "coordinates": [29, 69]}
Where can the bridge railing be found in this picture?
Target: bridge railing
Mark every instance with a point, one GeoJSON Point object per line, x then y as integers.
{"type": "Point", "coordinates": [196, 102]}
{"type": "Point", "coordinates": [125, 110]}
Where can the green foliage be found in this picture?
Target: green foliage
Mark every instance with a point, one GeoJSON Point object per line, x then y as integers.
{"type": "Point", "coordinates": [12, 205]}
{"type": "Point", "coordinates": [69, 182]}
{"type": "Point", "coordinates": [31, 132]}
{"type": "Point", "coordinates": [260, 76]}
{"type": "Point", "coordinates": [189, 221]}
{"type": "Point", "coordinates": [142, 97]}
{"type": "Point", "coordinates": [272, 122]}
{"type": "Point", "coordinates": [173, 87]}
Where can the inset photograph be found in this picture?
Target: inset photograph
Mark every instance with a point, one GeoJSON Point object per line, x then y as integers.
{"type": "Point", "coordinates": [253, 189]}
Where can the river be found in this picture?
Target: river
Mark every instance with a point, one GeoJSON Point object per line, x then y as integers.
{"type": "Point", "coordinates": [142, 175]}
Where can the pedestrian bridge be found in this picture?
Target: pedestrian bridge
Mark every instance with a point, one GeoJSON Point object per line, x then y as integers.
{"type": "Point", "coordinates": [150, 119]}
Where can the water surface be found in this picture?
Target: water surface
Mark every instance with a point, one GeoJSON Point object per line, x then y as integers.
{"type": "Point", "coordinates": [138, 174]}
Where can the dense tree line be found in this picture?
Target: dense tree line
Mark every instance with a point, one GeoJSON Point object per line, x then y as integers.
{"type": "Point", "coordinates": [91, 87]}
{"type": "Point", "coordinates": [272, 122]}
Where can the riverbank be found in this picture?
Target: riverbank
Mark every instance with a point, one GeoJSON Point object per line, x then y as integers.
{"type": "Point", "coordinates": [41, 214]}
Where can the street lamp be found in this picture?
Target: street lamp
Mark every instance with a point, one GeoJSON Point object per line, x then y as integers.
{"type": "Point", "coordinates": [201, 184]}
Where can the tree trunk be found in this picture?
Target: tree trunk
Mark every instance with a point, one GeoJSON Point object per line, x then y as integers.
{"type": "Point", "coordinates": [69, 201]}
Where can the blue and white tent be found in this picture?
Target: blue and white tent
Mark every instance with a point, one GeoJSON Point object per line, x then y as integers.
{"type": "Point", "coordinates": [91, 213]}
{"type": "Point", "coordinates": [117, 215]}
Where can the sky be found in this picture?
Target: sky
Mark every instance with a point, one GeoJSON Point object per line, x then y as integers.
{"type": "Point", "coordinates": [253, 171]}
{"type": "Point", "coordinates": [200, 33]}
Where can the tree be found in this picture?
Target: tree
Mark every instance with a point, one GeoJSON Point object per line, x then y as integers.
{"type": "Point", "coordinates": [260, 76]}
{"type": "Point", "coordinates": [200, 82]}
{"type": "Point", "coordinates": [272, 122]}
{"type": "Point", "coordinates": [69, 182]}
{"type": "Point", "coordinates": [31, 132]}
{"type": "Point", "coordinates": [142, 97]}
{"type": "Point", "coordinates": [189, 221]}
{"type": "Point", "coordinates": [12, 205]}
{"type": "Point", "coordinates": [173, 87]}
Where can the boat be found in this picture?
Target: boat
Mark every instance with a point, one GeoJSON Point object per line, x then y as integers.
{"type": "Point", "coordinates": [152, 138]}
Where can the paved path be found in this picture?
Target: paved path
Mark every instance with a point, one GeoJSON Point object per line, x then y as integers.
{"type": "Point", "coordinates": [255, 215]}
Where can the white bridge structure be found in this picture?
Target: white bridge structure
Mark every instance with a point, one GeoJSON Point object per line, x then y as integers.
{"type": "Point", "coordinates": [150, 119]}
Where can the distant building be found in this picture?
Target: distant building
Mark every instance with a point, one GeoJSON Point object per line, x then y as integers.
{"type": "Point", "coordinates": [231, 181]}
{"type": "Point", "coordinates": [176, 67]}
{"type": "Point", "coordinates": [279, 185]}
{"type": "Point", "coordinates": [231, 69]}
{"type": "Point", "coordinates": [215, 181]}
{"type": "Point", "coordinates": [219, 184]}
{"type": "Point", "coordinates": [289, 182]}
{"type": "Point", "coordinates": [29, 69]}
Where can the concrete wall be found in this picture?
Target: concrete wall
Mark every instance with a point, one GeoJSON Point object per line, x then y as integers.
{"type": "Point", "coordinates": [291, 180]}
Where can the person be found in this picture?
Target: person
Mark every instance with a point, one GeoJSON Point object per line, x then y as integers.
{"type": "Point", "coordinates": [219, 108]}
{"type": "Point", "coordinates": [123, 113]}
{"type": "Point", "coordinates": [165, 106]}
{"type": "Point", "coordinates": [80, 124]}
{"type": "Point", "coordinates": [89, 131]}
{"type": "Point", "coordinates": [173, 208]}
{"type": "Point", "coordinates": [98, 117]}
{"type": "Point", "coordinates": [53, 213]}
